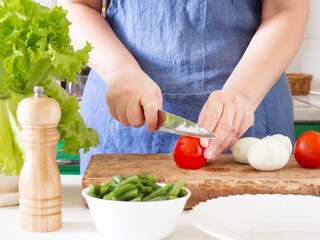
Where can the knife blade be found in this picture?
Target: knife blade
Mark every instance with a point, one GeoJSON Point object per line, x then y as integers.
{"type": "Point", "coordinates": [170, 123]}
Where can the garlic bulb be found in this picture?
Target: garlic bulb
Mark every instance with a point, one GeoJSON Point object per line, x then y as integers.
{"type": "Point", "coordinates": [240, 148]}
{"type": "Point", "coordinates": [268, 155]}
{"type": "Point", "coordinates": [284, 139]}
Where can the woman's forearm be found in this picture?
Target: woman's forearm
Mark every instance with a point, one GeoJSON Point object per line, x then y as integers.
{"type": "Point", "coordinates": [108, 53]}
{"type": "Point", "coordinates": [271, 49]}
{"type": "Point", "coordinates": [129, 89]}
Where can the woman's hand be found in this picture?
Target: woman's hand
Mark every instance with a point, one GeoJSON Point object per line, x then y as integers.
{"type": "Point", "coordinates": [133, 97]}
{"type": "Point", "coordinates": [228, 114]}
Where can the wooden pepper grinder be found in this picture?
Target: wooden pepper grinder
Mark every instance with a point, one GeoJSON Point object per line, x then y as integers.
{"type": "Point", "coordinates": [40, 183]}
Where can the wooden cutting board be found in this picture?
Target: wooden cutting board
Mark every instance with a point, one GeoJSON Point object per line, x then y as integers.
{"type": "Point", "coordinates": [223, 177]}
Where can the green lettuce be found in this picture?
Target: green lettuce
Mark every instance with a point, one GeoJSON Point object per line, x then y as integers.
{"type": "Point", "coordinates": [35, 49]}
{"type": "Point", "coordinates": [11, 150]}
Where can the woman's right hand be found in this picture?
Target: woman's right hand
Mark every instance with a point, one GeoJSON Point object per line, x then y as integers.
{"type": "Point", "coordinates": [130, 90]}
{"type": "Point", "coordinates": [133, 97]}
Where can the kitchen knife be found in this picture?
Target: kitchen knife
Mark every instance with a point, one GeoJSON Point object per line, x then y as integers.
{"type": "Point", "coordinates": [170, 123]}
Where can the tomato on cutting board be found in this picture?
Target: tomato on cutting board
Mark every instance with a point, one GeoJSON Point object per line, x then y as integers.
{"type": "Point", "coordinates": [188, 153]}
{"type": "Point", "coordinates": [307, 150]}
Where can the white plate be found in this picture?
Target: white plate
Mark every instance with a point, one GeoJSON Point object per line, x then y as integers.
{"type": "Point", "coordinates": [9, 199]}
{"type": "Point", "coordinates": [9, 184]}
{"type": "Point", "coordinates": [258, 217]}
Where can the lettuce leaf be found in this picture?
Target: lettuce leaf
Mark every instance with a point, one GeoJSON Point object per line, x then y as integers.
{"type": "Point", "coordinates": [74, 134]}
{"type": "Point", "coordinates": [11, 150]}
{"type": "Point", "coordinates": [35, 50]}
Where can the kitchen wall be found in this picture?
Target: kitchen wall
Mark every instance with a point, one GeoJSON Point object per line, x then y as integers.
{"type": "Point", "coordinates": [307, 59]}
{"type": "Point", "coordinates": [47, 3]}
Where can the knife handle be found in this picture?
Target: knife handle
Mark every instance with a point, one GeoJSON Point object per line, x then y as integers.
{"type": "Point", "coordinates": [162, 116]}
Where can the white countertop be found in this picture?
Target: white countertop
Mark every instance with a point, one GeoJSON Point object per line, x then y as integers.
{"type": "Point", "coordinates": [76, 220]}
{"type": "Point", "coordinates": [306, 108]}
{"type": "Point", "coordinates": [312, 99]}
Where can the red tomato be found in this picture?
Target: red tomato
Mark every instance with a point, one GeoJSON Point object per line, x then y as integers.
{"type": "Point", "coordinates": [307, 150]}
{"type": "Point", "coordinates": [188, 153]}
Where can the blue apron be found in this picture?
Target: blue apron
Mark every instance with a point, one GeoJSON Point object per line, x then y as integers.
{"type": "Point", "coordinates": [189, 48]}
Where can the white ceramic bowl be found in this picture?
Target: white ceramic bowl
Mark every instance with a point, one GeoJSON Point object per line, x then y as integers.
{"type": "Point", "coordinates": [122, 220]}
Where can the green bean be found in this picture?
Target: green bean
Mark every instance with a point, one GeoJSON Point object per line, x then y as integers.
{"type": "Point", "coordinates": [103, 190]}
{"type": "Point", "coordinates": [95, 189]}
{"type": "Point", "coordinates": [183, 192]}
{"type": "Point", "coordinates": [153, 185]}
{"type": "Point", "coordinates": [106, 183]}
{"type": "Point", "coordinates": [143, 176]}
{"type": "Point", "coordinates": [153, 178]}
{"type": "Point", "coordinates": [128, 195]}
{"type": "Point", "coordinates": [140, 187]}
{"type": "Point", "coordinates": [117, 178]}
{"type": "Point", "coordinates": [140, 195]}
{"type": "Point", "coordinates": [122, 189]}
{"type": "Point", "coordinates": [176, 189]}
{"type": "Point", "coordinates": [109, 184]}
{"type": "Point", "coordinates": [133, 179]}
{"type": "Point", "coordinates": [156, 193]}
{"type": "Point", "coordinates": [110, 189]}
{"type": "Point", "coordinates": [109, 196]}
{"type": "Point", "coordinates": [137, 187]}
{"type": "Point", "coordinates": [148, 190]}
{"type": "Point", "coordinates": [92, 194]}
{"type": "Point", "coordinates": [159, 198]}
{"type": "Point", "coordinates": [150, 184]}
{"type": "Point", "coordinates": [137, 199]}
{"type": "Point", "coordinates": [168, 186]}
{"type": "Point", "coordinates": [144, 181]}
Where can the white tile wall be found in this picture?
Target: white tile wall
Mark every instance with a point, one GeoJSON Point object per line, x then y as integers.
{"type": "Point", "coordinates": [313, 27]}
{"type": "Point", "coordinates": [307, 59]}
{"type": "Point", "coordinates": [47, 3]}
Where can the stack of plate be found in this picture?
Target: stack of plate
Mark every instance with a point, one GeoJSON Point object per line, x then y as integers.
{"type": "Point", "coordinates": [259, 217]}
{"type": "Point", "coordinates": [9, 194]}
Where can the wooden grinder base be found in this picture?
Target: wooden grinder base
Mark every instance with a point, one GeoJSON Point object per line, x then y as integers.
{"type": "Point", "coordinates": [40, 223]}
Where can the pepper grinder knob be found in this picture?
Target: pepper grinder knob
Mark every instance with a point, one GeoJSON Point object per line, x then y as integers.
{"type": "Point", "coordinates": [38, 91]}
{"type": "Point", "coordinates": [40, 183]}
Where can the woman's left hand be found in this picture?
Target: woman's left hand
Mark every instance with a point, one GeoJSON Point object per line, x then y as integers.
{"type": "Point", "coordinates": [228, 114]}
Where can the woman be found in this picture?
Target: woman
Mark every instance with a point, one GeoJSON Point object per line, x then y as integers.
{"type": "Point", "coordinates": [219, 62]}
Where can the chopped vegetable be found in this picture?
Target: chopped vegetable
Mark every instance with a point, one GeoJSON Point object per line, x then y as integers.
{"type": "Point", "coordinates": [132, 179]}
{"type": "Point", "coordinates": [176, 189]}
{"type": "Point", "coordinates": [126, 188]}
{"type": "Point", "coordinates": [154, 194]}
{"type": "Point", "coordinates": [35, 50]}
